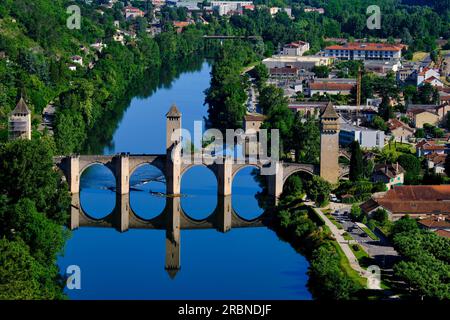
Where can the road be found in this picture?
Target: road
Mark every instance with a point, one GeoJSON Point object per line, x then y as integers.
{"type": "Point", "coordinates": [252, 100]}
{"type": "Point", "coordinates": [337, 234]}
{"type": "Point", "coordinates": [380, 250]}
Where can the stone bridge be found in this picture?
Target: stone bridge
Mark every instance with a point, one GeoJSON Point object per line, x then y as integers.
{"type": "Point", "coordinates": [173, 165]}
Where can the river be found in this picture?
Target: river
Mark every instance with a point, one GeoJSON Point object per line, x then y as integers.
{"type": "Point", "coordinates": [246, 263]}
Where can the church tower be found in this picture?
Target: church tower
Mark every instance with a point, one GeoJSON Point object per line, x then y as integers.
{"type": "Point", "coordinates": [329, 144]}
{"type": "Point", "coordinates": [20, 122]}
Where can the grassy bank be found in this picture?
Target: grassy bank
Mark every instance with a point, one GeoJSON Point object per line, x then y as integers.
{"type": "Point", "coordinates": [331, 276]}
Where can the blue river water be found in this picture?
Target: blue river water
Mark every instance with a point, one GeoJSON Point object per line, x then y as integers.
{"type": "Point", "coordinates": [246, 263]}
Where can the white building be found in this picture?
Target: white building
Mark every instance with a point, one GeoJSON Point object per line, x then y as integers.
{"type": "Point", "coordinates": [300, 62]}
{"type": "Point", "coordinates": [365, 51]}
{"type": "Point", "coordinates": [367, 138]}
{"type": "Point", "coordinates": [77, 60]}
{"type": "Point", "coordinates": [226, 7]}
{"type": "Point", "coordinates": [132, 12]}
{"type": "Point", "coordinates": [427, 75]}
{"type": "Point", "coordinates": [274, 10]}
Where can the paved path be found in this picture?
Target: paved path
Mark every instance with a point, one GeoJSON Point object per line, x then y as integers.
{"type": "Point", "coordinates": [337, 234]}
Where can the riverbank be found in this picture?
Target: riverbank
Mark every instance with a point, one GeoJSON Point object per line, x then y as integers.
{"type": "Point", "coordinates": [331, 275]}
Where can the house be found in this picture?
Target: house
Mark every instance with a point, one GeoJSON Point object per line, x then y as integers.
{"type": "Point", "coordinates": [20, 122]}
{"type": "Point", "coordinates": [416, 201]}
{"type": "Point", "coordinates": [426, 147]}
{"type": "Point", "coordinates": [400, 130]}
{"type": "Point", "coordinates": [436, 162]}
{"type": "Point", "coordinates": [180, 25]}
{"type": "Point", "coordinates": [420, 116]}
{"type": "Point", "coordinates": [158, 3]}
{"type": "Point", "coordinates": [296, 48]}
{"type": "Point", "coordinates": [408, 73]}
{"type": "Point", "coordinates": [72, 67]}
{"type": "Point", "coordinates": [329, 87]}
{"type": "Point", "coordinates": [426, 74]}
{"type": "Point", "coordinates": [435, 223]}
{"type": "Point", "coordinates": [390, 174]}
{"type": "Point", "coordinates": [77, 60]}
{"type": "Point", "coordinates": [435, 82]}
{"type": "Point", "coordinates": [287, 72]}
{"type": "Point", "coordinates": [312, 9]}
{"type": "Point", "coordinates": [118, 37]}
{"type": "Point", "coordinates": [365, 51]}
{"type": "Point", "coordinates": [98, 46]}
{"type": "Point", "coordinates": [132, 13]}
{"type": "Point", "coordinates": [367, 138]}
{"type": "Point", "coordinates": [274, 10]}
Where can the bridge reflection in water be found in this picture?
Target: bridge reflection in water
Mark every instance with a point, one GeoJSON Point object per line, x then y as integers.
{"type": "Point", "coordinates": [173, 219]}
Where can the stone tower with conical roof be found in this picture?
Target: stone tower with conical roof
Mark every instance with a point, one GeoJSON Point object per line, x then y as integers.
{"type": "Point", "coordinates": [329, 144]}
{"type": "Point", "coordinates": [20, 122]}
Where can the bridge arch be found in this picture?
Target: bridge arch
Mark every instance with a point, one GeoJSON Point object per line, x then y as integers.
{"type": "Point", "coordinates": [299, 169]}
{"type": "Point", "coordinates": [147, 191]}
{"type": "Point", "coordinates": [245, 200]}
{"type": "Point", "coordinates": [98, 197]}
{"type": "Point", "coordinates": [199, 189]}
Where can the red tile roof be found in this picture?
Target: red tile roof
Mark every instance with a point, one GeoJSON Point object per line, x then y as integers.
{"type": "Point", "coordinates": [395, 124]}
{"type": "Point", "coordinates": [254, 117]}
{"type": "Point", "coordinates": [367, 47]}
{"type": "Point", "coordinates": [443, 233]}
{"type": "Point", "coordinates": [433, 199]}
{"type": "Point", "coordinates": [436, 158]}
{"type": "Point", "coordinates": [435, 223]}
{"type": "Point", "coordinates": [295, 44]}
{"type": "Point", "coordinates": [331, 86]}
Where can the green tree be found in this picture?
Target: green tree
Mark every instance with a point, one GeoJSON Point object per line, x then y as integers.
{"type": "Point", "coordinates": [356, 213]}
{"type": "Point", "coordinates": [356, 163]}
{"type": "Point", "coordinates": [379, 123]}
{"type": "Point", "coordinates": [26, 171]}
{"type": "Point", "coordinates": [22, 277]}
{"type": "Point", "coordinates": [319, 190]}
{"type": "Point", "coordinates": [412, 166]}
{"type": "Point", "coordinates": [420, 133]}
{"type": "Point", "coordinates": [321, 71]}
{"type": "Point", "coordinates": [293, 186]}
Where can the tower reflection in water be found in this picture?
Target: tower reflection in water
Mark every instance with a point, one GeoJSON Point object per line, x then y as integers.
{"type": "Point", "coordinates": [173, 219]}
